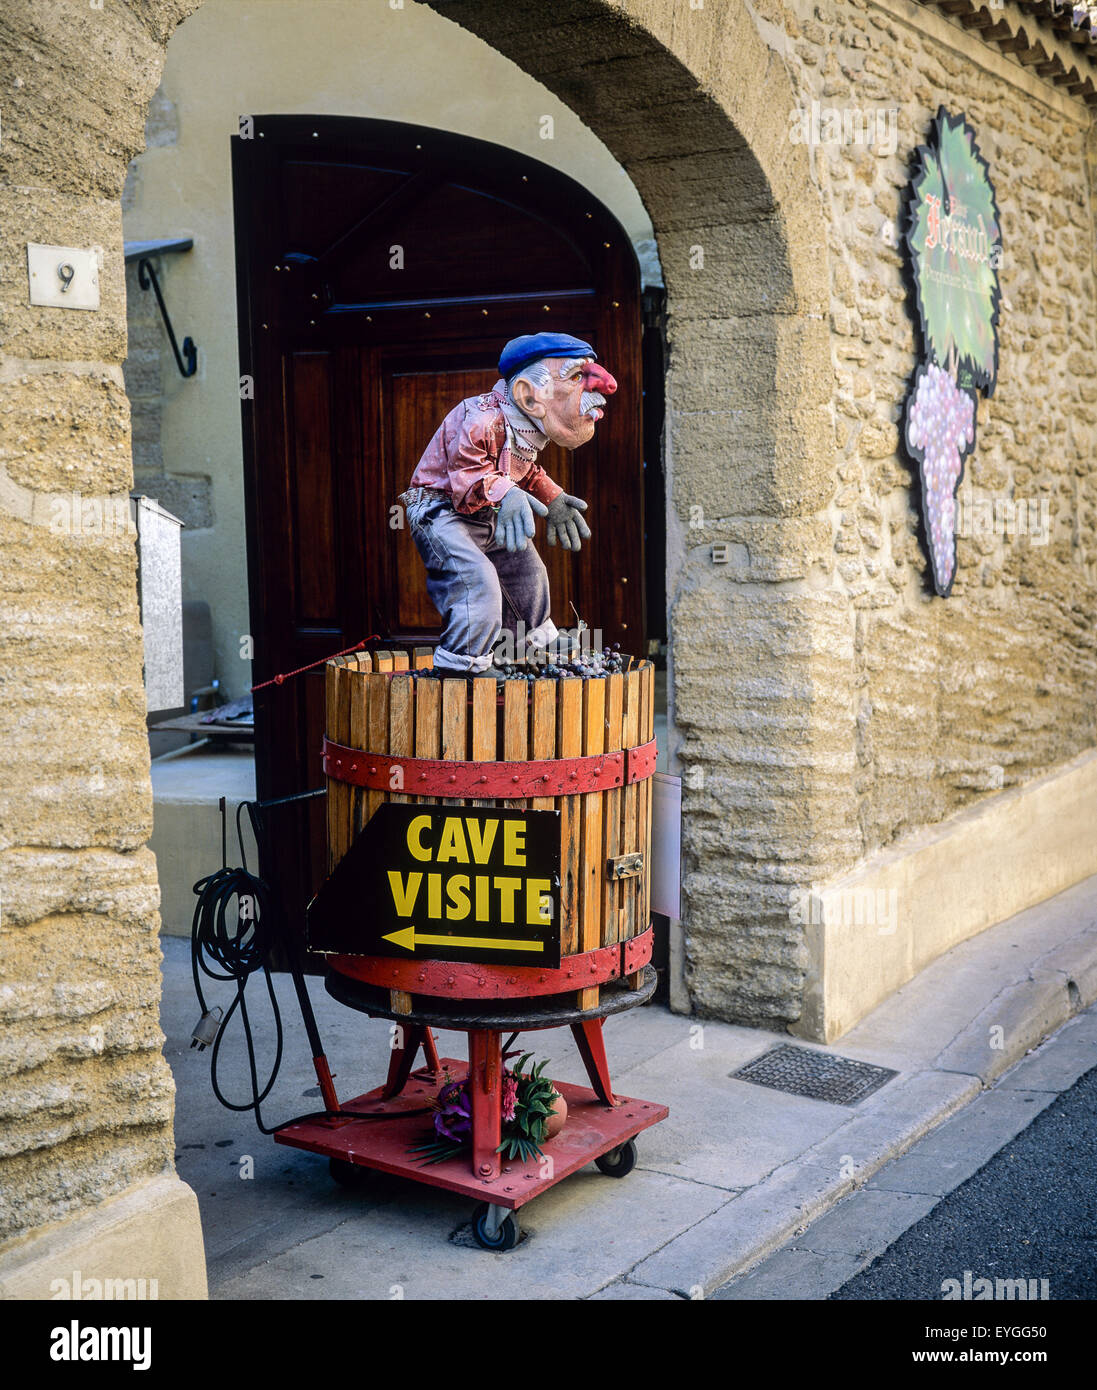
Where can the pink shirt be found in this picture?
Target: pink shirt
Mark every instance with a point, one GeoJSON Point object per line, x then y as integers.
{"type": "Point", "coordinates": [470, 460]}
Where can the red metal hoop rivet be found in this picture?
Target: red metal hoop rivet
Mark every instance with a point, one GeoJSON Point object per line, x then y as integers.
{"type": "Point", "coordinates": [598, 770]}
{"type": "Point", "coordinates": [338, 762]}
{"type": "Point", "coordinates": [514, 779]}
{"type": "Point", "coordinates": [573, 775]}
{"type": "Point", "coordinates": [453, 778]}
{"type": "Point", "coordinates": [422, 777]}
{"type": "Point", "coordinates": [372, 771]}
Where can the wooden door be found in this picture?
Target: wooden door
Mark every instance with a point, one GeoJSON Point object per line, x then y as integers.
{"type": "Point", "coordinates": [380, 270]}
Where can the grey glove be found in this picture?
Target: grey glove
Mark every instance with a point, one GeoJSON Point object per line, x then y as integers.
{"type": "Point", "coordinates": [565, 522]}
{"type": "Point", "coordinates": [515, 521]}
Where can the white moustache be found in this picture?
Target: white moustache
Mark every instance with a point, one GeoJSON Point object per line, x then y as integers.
{"type": "Point", "coordinates": [591, 400]}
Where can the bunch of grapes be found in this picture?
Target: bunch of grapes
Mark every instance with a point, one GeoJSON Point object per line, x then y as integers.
{"type": "Point", "coordinates": [589, 663]}
{"type": "Point", "coordinates": [940, 429]}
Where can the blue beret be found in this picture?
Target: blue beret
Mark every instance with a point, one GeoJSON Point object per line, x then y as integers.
{"type": "Point", "coordinates": [531, 347]}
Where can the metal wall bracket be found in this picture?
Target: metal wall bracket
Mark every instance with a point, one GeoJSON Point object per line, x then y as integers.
{"type": "Point", "coordinates": [146, 276]}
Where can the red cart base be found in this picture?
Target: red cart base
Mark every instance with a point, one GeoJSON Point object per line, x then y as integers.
{"type": "Point", "coordinates": [593, 1129]}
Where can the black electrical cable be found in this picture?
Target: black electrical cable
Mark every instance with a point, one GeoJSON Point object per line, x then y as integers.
{"type": "Point", "coordinates": [233, 951]}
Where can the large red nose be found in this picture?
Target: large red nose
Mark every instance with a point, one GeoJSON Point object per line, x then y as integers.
{"type": "Point", "coordinates": [596, 378]}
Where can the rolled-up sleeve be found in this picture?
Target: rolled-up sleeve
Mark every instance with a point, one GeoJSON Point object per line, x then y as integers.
{"type": "Point", "coordinates": [540, 484]}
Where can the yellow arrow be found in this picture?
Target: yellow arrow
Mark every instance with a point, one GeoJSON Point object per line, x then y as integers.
{"type": "Point", "coordinates": [408, 937]}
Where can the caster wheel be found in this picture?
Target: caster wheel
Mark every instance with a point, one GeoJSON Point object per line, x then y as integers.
{"type": "Point", "coordinates": [618, 1163]}
{"type": "Point", "coordinates": [347, 1174]}
{"type": "Point", "coordinates": [505, 1235]}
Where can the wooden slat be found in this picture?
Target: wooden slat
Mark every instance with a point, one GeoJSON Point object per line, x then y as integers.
{"type": "Point", "coordinates": [401, 722]}
{"type": "Point", "coordinates": [454, 726]}
{"type": "Point", "coordinates": [543, 732]}
{"type": "Point", "coordinates": [378, 740]}
{"type": "Point", "coordinates": [428, 720]}
{"type": "Point", "coordinates": [422, 658]}
{"type": "Point", "coordinates": [331, 721]}
{"type": "Point", "coordinates": [401, 661]}
{"type": "Point", "coordinates": [592, 869]}
{"type": "Point", "coordinates": [515, 729]}
{"type": "Point", "coordinates": [359, 738]}
{"type": "Point", "coordinates": [630, 803]}
{"type": "Point", "coordinates": [611, 814]}
{"type": "Point", "coordinates": [401, 739]}
{"type": "Point", "coordinates": [484, 723]}
{"type": "Point", "coordinates": [569, 744]}
{"type": "Point", "coordinates": [337, 717]}
{"type": "Point", "coordinates": [647, 731]}
{"type": "Point", "coordinates": [383, 661]}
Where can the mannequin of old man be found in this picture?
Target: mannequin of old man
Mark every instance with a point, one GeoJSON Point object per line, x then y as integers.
{"type": "Point", "coordinates": [475, 493]}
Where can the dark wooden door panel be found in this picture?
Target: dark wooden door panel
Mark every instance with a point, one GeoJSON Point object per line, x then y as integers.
{"type": "Point", "coordinates": [312, 521]}
{"type": "Point", "coordinates": [412, 401]}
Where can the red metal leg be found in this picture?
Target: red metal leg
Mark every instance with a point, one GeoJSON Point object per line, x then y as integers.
{"type": "Point", "coordinates": [403, 1056]}
{"type": "Point", "coordinates": [592, 1049]}
{"type": "Point", "coordinates": [430, 1051]}
{"type": "Point", "coordinates": [486, 1094]}
{"type": "Point", "coordinates": [327, 1085]}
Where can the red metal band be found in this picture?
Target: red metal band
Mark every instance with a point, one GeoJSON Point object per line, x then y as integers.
{"type": "Point", "coordinates": [385, 772]}
{"type": "Point", "coordinates": [464, 980]}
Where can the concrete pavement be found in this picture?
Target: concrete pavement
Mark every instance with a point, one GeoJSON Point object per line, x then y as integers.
{"type": "Point", "coordinates": [1029, 1142]}
{"type": "Point", "coordinates": [733, 1173]}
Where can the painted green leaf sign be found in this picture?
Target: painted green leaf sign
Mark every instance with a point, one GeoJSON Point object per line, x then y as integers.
{"type": "Point", "coordinates": [427, 882]}
{"type": "Point", "coordinates": [954, 241]}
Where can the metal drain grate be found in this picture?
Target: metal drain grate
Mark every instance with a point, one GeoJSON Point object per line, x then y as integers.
{"type": "Point", "coordinates": [801, 1072]}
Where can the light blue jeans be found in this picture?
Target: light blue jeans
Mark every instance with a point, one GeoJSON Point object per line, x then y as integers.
{"type": "Point", "coordinates": [478, 586]}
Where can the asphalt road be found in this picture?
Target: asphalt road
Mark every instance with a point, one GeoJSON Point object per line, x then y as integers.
{"type": "Point", "coordinates": [1030, 1213]}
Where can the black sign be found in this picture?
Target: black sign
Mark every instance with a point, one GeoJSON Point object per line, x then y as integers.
{"type": "Point", "coordinates": [445, 883]}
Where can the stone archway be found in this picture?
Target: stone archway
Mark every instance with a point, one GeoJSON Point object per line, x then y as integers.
{"type": "Point", "coordinates": [694, 105]}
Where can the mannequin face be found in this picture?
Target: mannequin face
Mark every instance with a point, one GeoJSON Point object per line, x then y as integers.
{"type": "Point", "coordinates": [571, 403]}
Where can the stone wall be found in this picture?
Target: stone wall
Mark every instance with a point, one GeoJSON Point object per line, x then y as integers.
{"type": "Point", "coordinates": [958, 698]}
{"type": "Point", "coordinates": [922, 705]}
{"type": "Point", "coordinates": [85, 1094]}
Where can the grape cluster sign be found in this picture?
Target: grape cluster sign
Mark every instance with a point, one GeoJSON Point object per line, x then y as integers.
{"type": "Point", "coordinates": [954, 241]}
{"type": "Point", "coordinates": [430, 882]}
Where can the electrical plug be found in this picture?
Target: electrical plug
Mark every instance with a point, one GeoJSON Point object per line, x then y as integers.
{"type": "Point", "coordinates": [206, 1030]}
